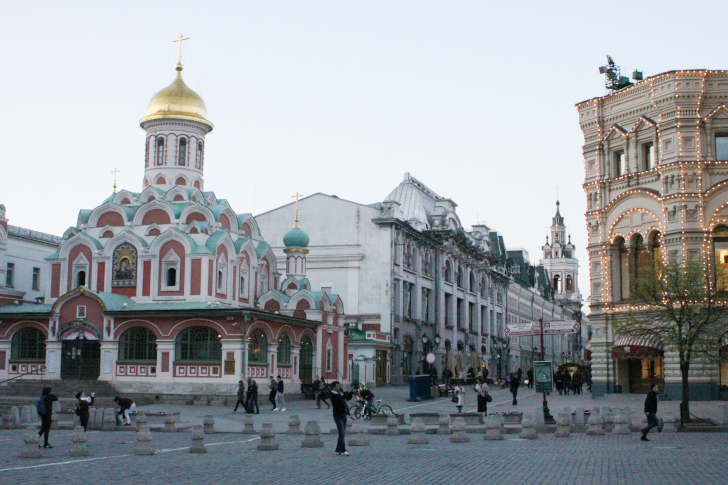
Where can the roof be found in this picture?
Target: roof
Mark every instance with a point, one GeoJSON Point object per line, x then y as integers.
{"type": "Point", "coordinates": [32, 235]}
{"type": "Point", "coordinates": [416, 200]}
{"type": "Point", "coordinates": [27, 309]}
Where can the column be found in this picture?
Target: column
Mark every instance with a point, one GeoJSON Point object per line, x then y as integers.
{"type": "Point", "coordinates": [273, 359]}
{"type": "Point", "coordinates": [165, 360]}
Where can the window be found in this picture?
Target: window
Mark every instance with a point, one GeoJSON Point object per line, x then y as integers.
{"type": "Point", "coordinates": [170, 268]}
{"type": "Point", "coordinates": [459, 310]}
{"type": "Point", "coordinates": [198, 162]}
{"type": "Point", "coordinates": [472, 286]}
{"type": "Point", "coordinates": [448, 310]}
{"type": "Point", "coordinates": [198, 343]}
{"type": "Point", "coordinates": [460, 277]}
{"type": "Point", "coordinates": [284, 350]}
{"type": "Point", "coordinates": [648, 156]}
{"type": "Point", "coordinates": [329, 357]}
{"type": "Point", "coordinates": [483, 289]}
{"type": "Point", "coordinates": [28, 343]}
{"type": "Point", "coordinates": [10, 275]}
{"type": "Point", "coordinates": [36, 279]}
{"type": "Point", "coordinates": [720, 250]}
{"type": "Point", "coordinates": [258, 349]}
{"type": "Point", "coordinates": [408, 299]}
{"type": "Point", "coordinates": [171, 277]}
{"type": "Point", "coordinates": [182, 152]}
{"type": "Point", "coordinates": [425, 305]}
{"type": "Point", "coordinates": [81, 278]}
{"type": "Point", "coordinates": [138, 343]}
{"type": "Point", "coordinates": [448, 272]}
{"type": "Point", "coordinates": [243, 285]}
{"type": "Point", "coordinates": [159, 158]}
{"type": "Point", "coordinates": [395, 300]}
{"type": "Point", "coordinates": [620, 163]}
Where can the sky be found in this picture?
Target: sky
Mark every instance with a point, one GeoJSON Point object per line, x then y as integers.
{"type": "Point", "coordinates": [473, 98]}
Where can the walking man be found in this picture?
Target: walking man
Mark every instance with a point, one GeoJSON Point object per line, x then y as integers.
{"type": "Point", "coordinates": [273, 388]}
{"type": "Point", "coordinates": [338, 401]}
{"type": "Point", "coordinates": [530, 378]}
{"type": "Point", "coordinates": [651, 412]}
{"type": "Point", "coordinates": [44, 407]}
{"type": "Point", "coordinates": [280, 401]}
{"type": "Point", "coordinates": [515, 382]}
{"type": "Point", "coordinates": [241, 397]}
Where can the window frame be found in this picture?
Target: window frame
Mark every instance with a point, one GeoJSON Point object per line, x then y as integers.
{"type": "Point", "coordinates": [39, 346]}
{"type": "Point", "coordinates": [285, 349]}
{"type": "Point", "coordinates": [35, 279]}
{"type": "Point", "coordinates": [148, 343]}
{"type": "Point", "coordinates": [182, 151]}
{"type": "Point", "coordinates": [213, 352]}
{"type": "Point", "coordinates": [257, 346]}
{"type": "Point", "coordinates": [170, 261]}
{"type": "Point", "coordinates": [10, 275]}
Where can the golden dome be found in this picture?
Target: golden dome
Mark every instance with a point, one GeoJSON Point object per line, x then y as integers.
{"type": "Point", "coordinates": [177, 101]}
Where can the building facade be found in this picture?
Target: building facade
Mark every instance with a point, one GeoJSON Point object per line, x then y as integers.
{"type": "Point", "coordinates": [656, 184]}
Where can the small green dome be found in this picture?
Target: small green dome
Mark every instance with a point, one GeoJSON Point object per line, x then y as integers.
{"type": "Point", "coordinates": [296, 238]}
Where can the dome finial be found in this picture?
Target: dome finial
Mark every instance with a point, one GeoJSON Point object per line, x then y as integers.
{"type": "Point", "coordinates": [180, 39]}
{"type": "Point", "coordinates": [295, 222]}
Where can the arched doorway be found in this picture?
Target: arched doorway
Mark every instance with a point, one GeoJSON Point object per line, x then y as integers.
{"type": "Point", "coordinates": [305, 372]}
{"type": "Point", "coordinates": [80, 351]}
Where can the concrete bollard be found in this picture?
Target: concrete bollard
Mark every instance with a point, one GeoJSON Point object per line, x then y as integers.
{"type": "Point", "coordinates": [493, 429]}
{"type": "Point", "coordinates": [563, 425]}
{"type": "Point", "coordinates": [8, 420]}
{"type": "Point", "coordinates": [109, 422]}
{"type": "Point", "coordinates": [268, 438]}
{"type": "Point", "coordinates": [538, 418]}
{"type": "Point", "coordinates": [579, 417]}
{"type": "Point", "coordinates": [248, 427]}
{"type": "Point", "coordinates": [621, 425]}
{"type": "Point", "coordinates": [31, 440]}
{"type": "Point", "coordinates": [312, 432]}
{"type": "Point", "coordinates": [459, 431]}
{"type": "Point", "coordinates": [668, 424]}
{"type": "Point", "coordinates": [567, 411]}
{"type": "Point", "coordinates": [26, 415]}
{"type": "Point", "coordinates": [392, 423]}
{"type": "Point", "coordinates": [54, 421]}
{"type": "Point", "coordinates": [170, 424]}
{"type": "Point", "coordinates": [529, 430]}
{"type": "Point", "coordinates": [595, 425]}
{"type": "Point", "coordinates": [294, 425]}
{"type": "Point", "coordinates": [208, 424]}
{"type": "Point", "coordinates": [358, 437]}
{"type": "Point", "coordinates": [15, 411]}
{"type": "Point", "coordinates": [141, 419]}
{"type": "Point", "coordinates": [417, 433]}
{"type": "Point", "coordinates": [79, 439]}
{"type": "Point", "coordinates": [144, 442]}
{"type": "Point", "coordinates": [444, 425]}
{"type": "Point", "coordinates": [198, 440]}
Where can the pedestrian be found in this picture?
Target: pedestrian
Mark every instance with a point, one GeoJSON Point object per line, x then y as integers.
{"type": "Point", "coordinates": [529, 375]}
{"type": "Point", "coordinates": [253, 398]}
{"type": "Point", "coordinates": [558, 380]}
{"type": "Point", "coordinates": [566, 382]}
{"type": "Point", "coordinates": [273, 388]}
{"type": "Point", "coordinates": [280, 400]}
{"type": "Point", "coordinates": [317, 392]}
{"type": "Point", "coordinates": [651, 412]}
{"type": "Point", "coordinates": [482, 389]}
{"type": "Point", "coordinates": [241, 397]}
{"type": "Point", "coordinates": [44, 407]}
{"type": "Point", "coordinates": [447, 376]}
{"type": "Point", "coordinates": [577, 383]}
{"type": "Point", "coordinates": [126, 406]}
{"type": "Point", "coordinates": [520, 374]}
{"type": "Point", "coordinates": [515, 382]}
{"type": "Point", "coordinates": [341, 410]}
{"type": "Point", "coordinates": [459, 396]}
{"type": "Point", "coordinates": [84, 402]}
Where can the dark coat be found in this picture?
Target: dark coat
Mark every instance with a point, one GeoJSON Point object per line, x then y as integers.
{"type": "Point", "coordinates": [124, 404]}
{"type": "Point", "coordinates": [338, 402]}
{"type": "Point", "coordinates": [48, 401]}
{"type": "Point", "coordinates": [515, 382]}
{"type": "Point", "coordinates": [83, 406]}
{"type": "Point", "coordinates": [651, 402]}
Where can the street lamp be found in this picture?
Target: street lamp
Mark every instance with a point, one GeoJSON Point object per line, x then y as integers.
{"type": "Point", "coordinates": [425, 341]}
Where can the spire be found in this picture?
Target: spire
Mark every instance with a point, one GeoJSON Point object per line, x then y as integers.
{"type": "Point", "coordinates": [295, 222]}
{"type": "Point", "coordinates": [557, 219]}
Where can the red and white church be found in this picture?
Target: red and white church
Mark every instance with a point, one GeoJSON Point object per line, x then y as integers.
{"type": "Point", "coordinates": [169, 291]}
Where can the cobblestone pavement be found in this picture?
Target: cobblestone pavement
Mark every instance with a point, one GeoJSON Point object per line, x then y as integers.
{"type": "Point", "coordinates": [680, 458]}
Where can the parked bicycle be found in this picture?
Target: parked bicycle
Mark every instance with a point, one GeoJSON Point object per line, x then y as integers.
{"type": "Point", "coordinates": [356, 412]}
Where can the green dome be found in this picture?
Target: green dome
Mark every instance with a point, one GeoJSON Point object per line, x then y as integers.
{"type": "Point", "coordinates": [296, 238]}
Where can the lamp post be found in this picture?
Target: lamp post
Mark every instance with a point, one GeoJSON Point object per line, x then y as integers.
{"type": "Point", "coordinates": [425, 365]}
{"type": "Point", "coordinates": [548, 419]}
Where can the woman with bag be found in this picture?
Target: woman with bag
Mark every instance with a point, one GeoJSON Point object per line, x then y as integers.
{"type": "Point", "coordinates": [483, 396]}
{"type": "Point", "coordinates": [459, 397]}
{"type": "Point", "coordinates": [82, 411]}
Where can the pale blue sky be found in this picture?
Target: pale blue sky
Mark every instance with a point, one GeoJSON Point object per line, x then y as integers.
{"type": "Point", "coordinates": [475, 99]}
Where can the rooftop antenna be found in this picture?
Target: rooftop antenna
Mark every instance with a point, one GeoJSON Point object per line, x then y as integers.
{"type": "Point", "coordinates": [614, 81]}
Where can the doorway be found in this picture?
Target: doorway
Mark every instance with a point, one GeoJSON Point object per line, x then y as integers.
{"type": "Point", "coordinates": [306, 370]}
{"type": "Point", "coordinates": [645, 372]}
{"type": "Point", "coordinates": [80, 359]}
{"type": "Point", "coordinates": [381, 368]}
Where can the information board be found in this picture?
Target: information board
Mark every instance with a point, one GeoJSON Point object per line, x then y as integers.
{"type": "Point", "coordinates": [543, 373]}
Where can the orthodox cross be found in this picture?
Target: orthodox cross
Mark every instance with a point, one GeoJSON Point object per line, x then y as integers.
{"type": "Point", "coordinates": [179, 51]}
{"type": "Point", "coordinates": [296, 197]}
{"type": "Point", "coordinates": [115, 171]}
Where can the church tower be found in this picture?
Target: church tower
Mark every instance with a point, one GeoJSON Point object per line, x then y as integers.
{"type": "Point", "coordinates": [176, 124]}
{"type": "Point", "coordinates": [560, 262]}
{"type": "Point", "coordinates": [296, 248]}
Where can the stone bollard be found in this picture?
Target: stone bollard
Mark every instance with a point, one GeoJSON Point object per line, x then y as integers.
{"type": "Point", "coordinates": [358, 437]}
{"type": "Point", "coordinates": [170, 424]}
{"type": "Point", "coordinates": [109, 423]}
{"type": "Point", "coordinates": [621, 424]}
{"type": "Point", "coordinates": [459, 432]}
{"type": "Point", "coordinates": [208, 424]}
{"type": "Point", "coordinates": [8, 420]}
{"type": "Point", "coordinates": [668, 424]}
{"type": "Point", "coordinates": [31, 440]}
{"type": "Point", "coordinates": [312, 438]}
{"type": "Point", "coordinates": [15, 411]}
{"type": "Point", "coordinates": [529, 430]}
{"type": "Point", "coordinates": [563, 425]}
{"type": "Point", "coordinates": [595, 425]}
{"type": "Point", "coordinates": [493, 429]}
{"type": "Point", "coordinates": [268, 438]}
{"type": "Point", "coordinates": [294, 425]}
{"type": "Point", "coordinates": [392, 423]}
{"type": "Point", "coordinates": [54, 421]}
{"type": "Point", "coordinates": [144, 442]}
{"type": "Point", "coordinates": [79, 440]}
{"type": "Point", "coordinates": [538, 418]}
{"type": "Point", "coordinates": [198, 440]}
{"type": "Point", "coordinates": [26, 415]}
{"type": "Point", "coordinates": [248, 427]}
{"type": "Point", "coordinates": [141, 419]}
{"type": "Point", "coordinates": [417, 433]}
{"type": "Point", "coordinates": [567, 411]}
{"type": "Point", "coordinates": [579, 417]}
{"type": "Point", "coordinates": [56, 407]}
{"type": "Point", "coordinates": [444, 425]}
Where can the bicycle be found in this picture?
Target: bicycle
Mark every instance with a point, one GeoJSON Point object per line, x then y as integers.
{"type": "Point", "coordinates": [356, 412]}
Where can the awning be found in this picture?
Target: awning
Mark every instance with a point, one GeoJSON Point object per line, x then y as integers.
{"type": "Point", "coordinates": [631, 347]}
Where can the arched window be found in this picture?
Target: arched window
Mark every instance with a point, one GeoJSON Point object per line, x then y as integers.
{"type": "Point", "coordinates": [198, 160]}
{"type": "Point", "coordinates": [28, 343]}
{"type": "Point", "coordinates": [483, 289]}
{"type": "Point", "coordinates": [448, 272]}
{"type": "Point", "coordinates": [182, 151]}
{"type": "Point", "coordinates": [557, 283]}
{"type": "Point", "coordinates": [720, 253]}
{"type": "Point", "coordinates": [138, 343]}
{"type": "Point", "coordinates": [569, 283]}
{"type": "Point", "coordinates": [159, 159]}
{"type": "Point", "coordinates": [258, 348]}
{"type": "Point", "coordinates": [198, 343]}
{"type": "Point", "coordinates": [172, 277]}
{"type": "Point", "coordinates": [460, 276]}
{"type": "Point", "coordinates": [81, 278]}
{"type": "Point", "coordinates": [284, 350]}
{"type": "Point", "coordinates": [472, 282]}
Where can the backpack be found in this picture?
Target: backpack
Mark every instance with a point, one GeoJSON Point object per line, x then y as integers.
{"type": "Point", "coordinates": [40, 406]}
{"type": "Point", "coordinates": [78, 410]}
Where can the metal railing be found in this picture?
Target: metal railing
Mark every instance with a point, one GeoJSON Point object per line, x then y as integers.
{"type": "Point", "coordinates": [41, 371]}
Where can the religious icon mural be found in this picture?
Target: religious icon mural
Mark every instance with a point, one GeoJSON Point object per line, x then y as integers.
{"type": "Point", "coordinates": [125, 266]}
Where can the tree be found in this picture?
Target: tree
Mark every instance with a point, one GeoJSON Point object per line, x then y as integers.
{"type": "Point", "coordinates": [677, 302]}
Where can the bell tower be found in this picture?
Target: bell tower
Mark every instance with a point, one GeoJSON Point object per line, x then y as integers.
{"type": "Point", "coordinates": [560, 261]}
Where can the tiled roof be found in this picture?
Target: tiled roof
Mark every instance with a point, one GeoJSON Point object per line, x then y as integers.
{"type": "Point", "coordinates": [34, 235]}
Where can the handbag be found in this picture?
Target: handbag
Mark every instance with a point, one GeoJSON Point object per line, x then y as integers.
{"type": "Point", "coordinates": [455, 399]}
{"type": "Point", "coordinates": [488, 398]}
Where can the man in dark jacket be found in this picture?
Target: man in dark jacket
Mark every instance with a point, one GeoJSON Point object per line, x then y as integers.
{"type": "Point", "coordinates": [45, 418]}
{"type": "Point", "coordinates": [341, 410]}
{"type": "Point", "coordinates": [651, 412]}
{"type": "Point", "coordinates": [529, 374]}
{"type": "Point", "coordinates": [241, 397]}
{"type": "Point", "coordinates": [447, 376]}
{"type": "Point", "coordinates": [515, 382]}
